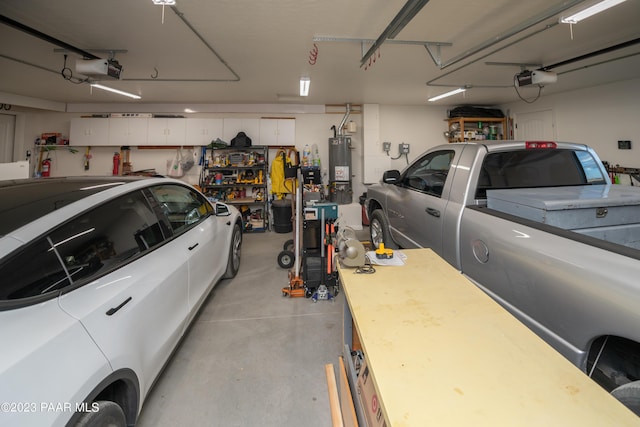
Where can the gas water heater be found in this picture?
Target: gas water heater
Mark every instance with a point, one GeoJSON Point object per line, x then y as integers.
{"type": "Point", "coordinates": [340, 190]}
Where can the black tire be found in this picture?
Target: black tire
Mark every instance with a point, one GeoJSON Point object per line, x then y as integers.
{"type": "Point", "coordinates": [233, 263]}
{"type": "Point", "coordinates": [629, 395]}
{"type": "Point", "coordinates": [288, 245]}
{"type": "Point", "coordinates": [286, 259]}
{"type": "Point", "coordinates": [379, 230]}
{"type": "Point", "coordinates": [108, 414]}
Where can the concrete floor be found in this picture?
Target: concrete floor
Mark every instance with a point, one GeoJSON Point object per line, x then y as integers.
{"type": "Point", "coordinates": [252, 357]}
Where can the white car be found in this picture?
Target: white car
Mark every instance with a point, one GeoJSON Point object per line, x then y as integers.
{"type": "Point", "coordinates": [99, 279]}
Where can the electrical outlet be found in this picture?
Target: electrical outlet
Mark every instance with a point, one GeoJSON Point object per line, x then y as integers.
{"type": "Point", "coordinates": [404, 148]}
{"type": "Point", "coordinates": [386, 147]}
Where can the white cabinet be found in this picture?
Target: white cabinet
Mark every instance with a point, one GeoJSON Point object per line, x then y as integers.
{"type": "Point", "coordinates": [89, 131]}
{"type": "Point", "coordinates": [139, 131]}
{"type": "Point", "coordinates": [166, 131]}
{"type": "Point", "coordinates": [277, 131]}
{"type": "Point", "coordinates": [203, 131]}
{"type": "Point", "coordinates": [249, 126]}
{"type": "Point", "coordinates": [128, 131]}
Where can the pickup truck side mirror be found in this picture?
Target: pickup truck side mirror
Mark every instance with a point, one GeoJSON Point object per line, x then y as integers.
{"type": "Point", "coordinates": [391, 177]}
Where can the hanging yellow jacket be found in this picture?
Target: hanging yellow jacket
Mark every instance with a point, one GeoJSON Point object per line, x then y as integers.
{"type": "Point", "coordinates": [279, 183]}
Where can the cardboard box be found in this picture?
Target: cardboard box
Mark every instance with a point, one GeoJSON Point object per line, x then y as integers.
{"type": "Point", "coordinates": [369, 398]}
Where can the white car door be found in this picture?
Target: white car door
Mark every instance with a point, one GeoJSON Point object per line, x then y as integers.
{"type": "Point", "coordinates": [208, 259]}
{"type": "Point", "coordinates": [205, 236]}
{"type": "Point", "coordinates": [136, 312]}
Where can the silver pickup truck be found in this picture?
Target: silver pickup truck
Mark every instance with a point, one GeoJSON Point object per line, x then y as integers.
{"type": "Point", "coordinates": [539, 227]}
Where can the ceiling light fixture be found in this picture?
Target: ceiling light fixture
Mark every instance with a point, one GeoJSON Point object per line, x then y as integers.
{"type": "Point", "coordinates": [164, 3]}
{"type": "Point", "coordinates": [304, 86]}
{"type": "Point", "coordinates": [119, 92]}
{"type": "Point", "coordinates": [590, 11]}
{"type": "Point", "coordinates": [444, 95]}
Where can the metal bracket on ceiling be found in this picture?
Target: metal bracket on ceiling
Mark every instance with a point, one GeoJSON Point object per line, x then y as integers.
{"type": "Point", "coordinates": [365, 43]}
{"type": "Point", "coordinates": [111, 52]}
{"type": "Point", "coordinates": [404, 16]}
{"type": "Point", "coordinates": [522, 66]}
{"type": "Point", "coordinates": [436, 56]}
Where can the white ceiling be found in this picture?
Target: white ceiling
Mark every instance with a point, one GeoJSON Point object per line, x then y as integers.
{"type": "Point", "coordinates": [258, 50]}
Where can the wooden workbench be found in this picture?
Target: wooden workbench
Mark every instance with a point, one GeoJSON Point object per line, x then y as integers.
{"type": "Point", "coordinates": [442, 353]}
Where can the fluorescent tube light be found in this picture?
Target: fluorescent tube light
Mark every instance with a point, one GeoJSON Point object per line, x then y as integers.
{"type": "Point", "coordinates": [304, 86]}
{"type": "Point", "coordinates": [164, 2]}
{"type": "Point", "coordinates": [444, 95]}
{"type": "Point", "coordinates": [590, 11]}
{"type": "Point", "coordinates": [119, 92]}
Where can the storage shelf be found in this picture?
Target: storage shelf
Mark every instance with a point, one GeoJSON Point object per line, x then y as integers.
{"type": "Point", "coordinates": [462, 128]}
{"type": "Point", "coordinates": [244, 201]}
{"type": "Point", "coordinates": [219, 161]}
{"type": "Point", "coordinates": [236, 184]}
{"type": "Point", "coordinates": [239, 167]}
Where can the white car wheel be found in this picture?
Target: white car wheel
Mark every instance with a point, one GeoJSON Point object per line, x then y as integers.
{"type": "Point", "coordinates": [108, 414]}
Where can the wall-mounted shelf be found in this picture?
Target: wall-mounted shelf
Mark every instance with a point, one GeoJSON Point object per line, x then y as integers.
{"type": "Point", "coordinates": [476, 128]}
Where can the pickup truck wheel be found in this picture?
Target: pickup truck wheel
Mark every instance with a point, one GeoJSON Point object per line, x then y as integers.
{"type": "Point", "coordinates": [379, 230]}
{"type": "Point", "coordinates": [629, 395]}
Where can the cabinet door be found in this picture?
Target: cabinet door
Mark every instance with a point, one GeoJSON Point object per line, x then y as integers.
{"type": "Point", "coordinates": [138, 128]}
{"type": "Point", "coordinates": [269, 131]}
{"type": "Point", "coordinates": [203, 131]}
{"type": "Point", "coordinates": [166, 131]}
{"type": "Point", "coordinates": [127, 131]}
{"type": "Point", "coordinates": [89, 131]}
{"type": "Point", "coordinates": [277, 131]}
{"type": "Point", "coordinates": [249, 126]}
{"type": "Point", "coordinates": [286, 132]}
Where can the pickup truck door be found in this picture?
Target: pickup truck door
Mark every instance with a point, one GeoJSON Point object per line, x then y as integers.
{"type": "Point", "coordinates": [415, 206]}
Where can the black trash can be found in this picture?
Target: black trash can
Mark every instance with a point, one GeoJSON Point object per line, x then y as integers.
{"type": "Point", "coordinates": [282, 217]}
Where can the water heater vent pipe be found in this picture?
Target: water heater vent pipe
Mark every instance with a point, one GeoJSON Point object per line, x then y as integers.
{"type": "Point", "coordinates": [344, 120]}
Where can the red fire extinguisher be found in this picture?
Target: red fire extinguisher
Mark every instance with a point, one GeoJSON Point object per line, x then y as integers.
{"type": "Point", "coordinates": [46, 167]}
{"type": "Point", "coordinates": [116, 164]}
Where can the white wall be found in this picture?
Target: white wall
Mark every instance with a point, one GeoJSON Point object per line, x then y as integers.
{"type": "Point", "coordinates": [597, 116]}
{"type": "Point", "coordinates": [421, 127]}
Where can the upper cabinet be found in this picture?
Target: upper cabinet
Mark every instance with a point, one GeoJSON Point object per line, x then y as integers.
{"type": "Point", "coordinates": [135, 131]}
{"type": "Point", "coordinates": [249, 126]}
{"type": "Point", "coordinates": [277, 131]}
{"type": "Point", "coordinates": [89, 131]}
{"type": "Point", "coordinates": [167, 131]}
{"type": "Point", "coordinates": [128, 131]}
{"type": "Point", "coordinates": [203, 131]}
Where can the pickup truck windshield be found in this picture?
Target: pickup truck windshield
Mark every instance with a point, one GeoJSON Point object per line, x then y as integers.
{"type": "Point", "coordinates": [537, 168]}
